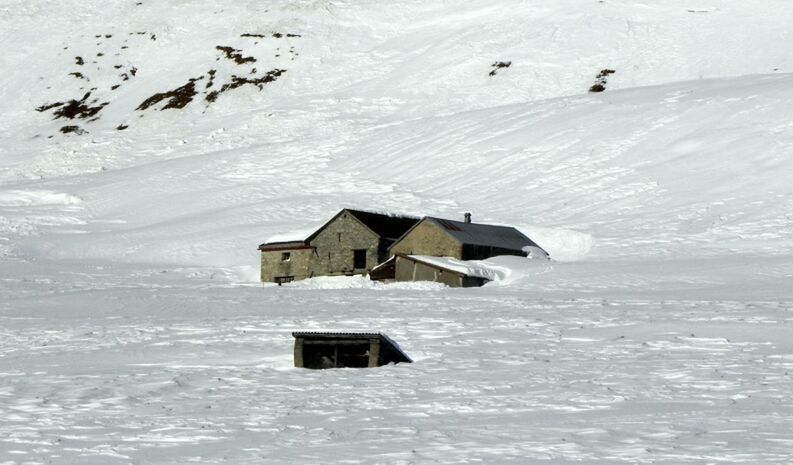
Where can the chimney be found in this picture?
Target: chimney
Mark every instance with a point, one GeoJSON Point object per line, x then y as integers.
{"type": "Point", "coordinates": [468, 217]}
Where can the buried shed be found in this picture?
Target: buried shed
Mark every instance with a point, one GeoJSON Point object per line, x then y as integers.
{"type": "Point", "coordinates": [446, 270]}
{"type": "Point", "coordinates": [318, 350]}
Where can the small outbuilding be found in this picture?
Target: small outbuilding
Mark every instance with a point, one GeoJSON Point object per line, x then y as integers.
{"type": "Point", "coordinates": [320, 350]}
{"type": "Point", "coordinates": [445, 270]}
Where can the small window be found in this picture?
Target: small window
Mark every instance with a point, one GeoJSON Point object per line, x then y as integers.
{"type": "Point", "coordinates": [359, 258]}
{"type": "Point", "coordinates": [286, 256]}
{"type": "Point", "coordinates": [283, 279]}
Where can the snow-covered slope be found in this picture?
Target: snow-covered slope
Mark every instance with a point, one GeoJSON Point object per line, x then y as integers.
{"type": "Point", "coordinates": [133, 330]}
{"type": "Point", "coordinates": [395, 108]}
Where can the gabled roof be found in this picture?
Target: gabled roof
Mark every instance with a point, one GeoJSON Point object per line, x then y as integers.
{"type": "Point", "coordinates": [385, 226]}
{"type": "Point", "coordinates": [489, 235]}
{"type": "Point", "coordinates": [381, 224]}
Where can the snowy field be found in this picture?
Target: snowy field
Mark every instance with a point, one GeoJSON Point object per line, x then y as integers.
{"type": "Point", "coordinates": [126, 365]}
{"type": "Point", "coordinates": [132, 327]}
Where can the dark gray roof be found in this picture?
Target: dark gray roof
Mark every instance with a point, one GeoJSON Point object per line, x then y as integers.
{"type": "Point", "coordinates": [336, 334]}
{"type": "Point", "coordinates": [384, 225]}
{"type": "Point", "coordinates": [489, 235]}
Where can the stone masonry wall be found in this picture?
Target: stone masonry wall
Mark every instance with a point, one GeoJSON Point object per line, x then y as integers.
{"type": "Point", "coordinates": [298, 265]}
{"type": "Point", "coordinates": [428, 239]}
{"type": "Point", "coordinates": [336, 243]}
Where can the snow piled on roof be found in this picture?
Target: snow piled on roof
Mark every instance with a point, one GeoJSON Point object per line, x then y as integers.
{"type": "Point", "coordinates": [503, 269]}
{"type": "Point", "coordinates": [476, 269]}
{"type": "Point", "coordinates": [296, 235]}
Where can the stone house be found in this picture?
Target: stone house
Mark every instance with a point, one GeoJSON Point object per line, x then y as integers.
{"type": "Point", "coordinates": [352, 242]}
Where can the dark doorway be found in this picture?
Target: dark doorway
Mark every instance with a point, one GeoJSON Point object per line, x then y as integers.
{"type": "Point", "coordinates": [320, 350]}
{"type": "Point", "coordinates": [319, 356]}
{"type": "Point", "coordinates": [359, 258]}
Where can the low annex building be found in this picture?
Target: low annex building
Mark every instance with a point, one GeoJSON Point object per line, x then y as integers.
{"type": "Point", "coordinates": [352, 242]}
{"type": "Point", "coordinates": [444, 270]}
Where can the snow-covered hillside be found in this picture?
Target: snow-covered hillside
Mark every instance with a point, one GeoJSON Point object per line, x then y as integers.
{"type": "Point", "coordinates": [147, 147]}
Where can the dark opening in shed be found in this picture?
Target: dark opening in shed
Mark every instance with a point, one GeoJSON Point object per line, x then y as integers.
{"type": "Point", "coordinates": [319, 350]}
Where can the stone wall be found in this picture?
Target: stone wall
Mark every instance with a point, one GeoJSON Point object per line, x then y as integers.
{"type": "Point", "coordinates": [335, 244]}
{"type": "Point", "coordinates": [298, 264]}
{"type": "Point", "coordinates": [428, 239]}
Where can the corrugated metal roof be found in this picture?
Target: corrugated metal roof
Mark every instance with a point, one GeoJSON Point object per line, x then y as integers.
{"type": "Point", "coordinates": [334, 334]}
{"type": "Point", "coordinates": [488, 235]}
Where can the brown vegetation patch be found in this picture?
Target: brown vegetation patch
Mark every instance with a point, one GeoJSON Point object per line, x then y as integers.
{"type": "Point", "coordinates": [49, 106]}
{"type": "Point", "coordinates": [604, 73]}
{"type": "Point", "coordinates": [261, 36]}
{"type": "Point", "coordinates": [72, 109]}
{"type": "Point", "coordinates": [498, 65]}
{"type": "Point", "coordinates": [72, 130]}
{"type": "Point", "coordinates": [235, 55]}
{"type": "Point", "coordinates": [177, 98]}
{"type": "Point", "coordinates": [237, 81]}
{"type": "Point", "coordinates": [601, 80]}
{"type": "Point", "coordinates": [79, 61]}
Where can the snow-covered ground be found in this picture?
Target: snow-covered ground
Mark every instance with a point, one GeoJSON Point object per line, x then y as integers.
{"type": "Point", "coordinates": [132, 328]}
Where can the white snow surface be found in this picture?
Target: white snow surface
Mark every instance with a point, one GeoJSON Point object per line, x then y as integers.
{"type": "Point", "coordinates": [132, 326]}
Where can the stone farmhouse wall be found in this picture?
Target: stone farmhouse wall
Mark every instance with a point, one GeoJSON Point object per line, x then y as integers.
{"type": "Point", "coordinates": [335, 246]}
{"type": "Point", "coordinates": [428, 239]}
{"type": "Point", "coordinates": [298, 264]}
